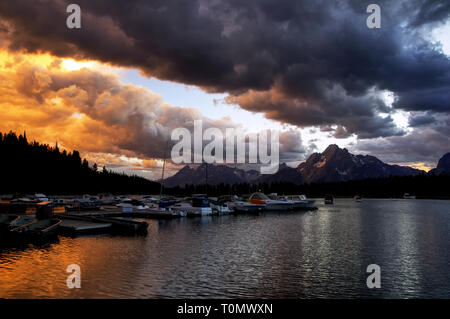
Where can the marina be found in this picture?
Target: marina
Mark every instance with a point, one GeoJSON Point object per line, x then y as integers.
{"type": "Point", "coordinates": [293, 254]}
{"type": "Point", "coordinates": [38, 217]}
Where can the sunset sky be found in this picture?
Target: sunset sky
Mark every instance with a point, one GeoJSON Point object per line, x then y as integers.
{"type": "Point", "coordinates": [116, 88]}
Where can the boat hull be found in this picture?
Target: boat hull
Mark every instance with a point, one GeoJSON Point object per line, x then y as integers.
{"type": "Point", "coordinates": [279, 206]}
{"type": "Point", "coordinates": [304, 205]}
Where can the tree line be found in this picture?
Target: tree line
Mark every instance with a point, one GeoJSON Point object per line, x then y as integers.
{"type": "Point", "coordinates": [423, 186]}
{"type": "Point", "coordinates": [34, 167]}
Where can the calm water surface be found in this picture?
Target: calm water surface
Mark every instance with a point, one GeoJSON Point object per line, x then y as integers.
{"type": "Point", "coordinates": [274, 255]}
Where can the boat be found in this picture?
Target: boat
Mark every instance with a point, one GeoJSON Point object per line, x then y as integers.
{"type": "Point", "coordinates": [6, 220]}
{"type": "Point", "coordinates": [408, 196]}
{"type": "Point", "coordinates": [166, 207]}
{"type": "Point", "coordinates": [129, 205]}
{"type": "Point", "coordinates": [238, 205]}
{"type": "Point", "coordinates": [329, 199]}
{"type": "Point", "coordinates": [357, 198]}
{"type": "Point", "coordinates": [40, 198]}
{"type": "Point", "coordinates": [194, 206]}
{"type": "Point", "coordinates": [169, 211]}
{"type": "Point", "coordinates": [301, 202]}
{"type": "Point", "coordinates": [271, 204]}
{"type": "Point", "coordinates": [21, 220]}
{"type": "Point", "coordinates": [166, 202]}
{"type": "Point", "coordinates": [219, 207]}
{"type": "Point", "coordinates": [84, 204]}
{"type": "Point", "coordinates": [36, 229]}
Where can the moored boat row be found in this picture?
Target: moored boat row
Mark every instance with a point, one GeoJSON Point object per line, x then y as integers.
{"type": "Point", "coordinates": [196, 205]}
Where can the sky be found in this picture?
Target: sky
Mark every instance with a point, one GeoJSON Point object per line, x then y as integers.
{"type": "Point", "coordinates": [312, 70]}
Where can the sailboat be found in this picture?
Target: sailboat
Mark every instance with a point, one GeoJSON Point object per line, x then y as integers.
{"type": "Point", "coordinates": [166, 205]}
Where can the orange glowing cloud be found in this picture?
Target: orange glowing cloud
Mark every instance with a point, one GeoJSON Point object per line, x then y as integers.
{"type": "Point", "coordinates": [83, 105]}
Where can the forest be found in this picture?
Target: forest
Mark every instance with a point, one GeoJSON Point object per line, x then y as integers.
{"type": "Point", "coordinates": [30, 167]}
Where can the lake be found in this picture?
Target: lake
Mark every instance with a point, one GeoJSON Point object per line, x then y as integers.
{"type": "Point", "coordinates": [314, 254]}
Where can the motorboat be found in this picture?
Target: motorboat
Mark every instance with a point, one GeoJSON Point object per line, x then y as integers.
{"type": "Point", "coordinates": [36, 229]}
{"type": "Point", "coordinates": [357, 198]}
{"type": "Point", "coordinates": [271, 204]}
{"type": "Point", "coordinates": [194, 206]}
{"type": "Point", "coordinates": [40, 198]}
{"type": "Point", "coordinates": [408, 196]}
{"type": "Point", "coordinates": [20, 221]}
{"type": "Point", "coordinates": [301, 201]}
{"type": "Point", "coordinates": [166, 206]}
{"type": "Point", "coordinates": [219, 207]}
{"type": "Point", "coordinates": [238, 205]}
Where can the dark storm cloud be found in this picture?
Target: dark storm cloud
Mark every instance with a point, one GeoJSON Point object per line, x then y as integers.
{"type": "Point", "coordinates": [299, 62]}
{"type": "Point", "coordinates": [421, 119]}
{"type": "Point", "coordinates": [431, 11]}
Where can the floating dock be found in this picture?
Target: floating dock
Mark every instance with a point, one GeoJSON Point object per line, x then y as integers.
{"type": "Point", "coordinates": [144, 213]}
{"type": "Point", "coordinates": [72, 227]}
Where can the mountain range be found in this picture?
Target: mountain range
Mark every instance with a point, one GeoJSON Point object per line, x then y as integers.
{"type": "Point", "coordinates": [443, 166]}
{"type": "Point", "coordinates": [333, 165]}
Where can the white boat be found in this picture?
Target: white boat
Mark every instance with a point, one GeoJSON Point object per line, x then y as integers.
{"type": "Point", "coordinates": [167, 207]}
{"type": "Point", "coordinates": [41, 197]}
{"type": "Point", "coordinates": [271, 204]}
{"type": "Point", "coordinates": [301, 202]}
{"type": "Point", "coordinates": [167, 210]}
{"type": "Point", "coordinates": [357, 198]}
{"type": "Point", "coordinates": [194, 207]}
{"type": "Point", "coordinates": [408, 196]}
{"type": "Point", "coordinates": [220, 207]}
{"type": "Point", "coordinates": [238, 205]}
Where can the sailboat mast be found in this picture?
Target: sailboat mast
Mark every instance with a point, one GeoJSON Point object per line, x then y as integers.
{"type": "Point", "coordinates": [206, 171]}
{"type": "Point", "coordinates": [163, 168]}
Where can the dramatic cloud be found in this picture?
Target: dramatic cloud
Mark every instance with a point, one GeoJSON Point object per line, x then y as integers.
{"type": "Point", "coordinates": [113, 124]}
{"type": "Point", "coordinates": [300, 62]}
{"type": "Point", "coordinates": [305, 63]}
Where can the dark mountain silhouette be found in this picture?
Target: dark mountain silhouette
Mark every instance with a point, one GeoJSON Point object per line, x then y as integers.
{"type": "Point", "coordinates": [333, 165]}
{"type": "Point", "coordinates": [337, 165]}
{"type": "Point", "coordinates": [34, 167]}
{"type": "Point", "coordinates": [217, 174]}
{"type": "Point", "coordinates": [223, 174]}
{"type": "Point", "coordinates": [285, 174]}
{"type": "Point", "coordinates": [443, 166]}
